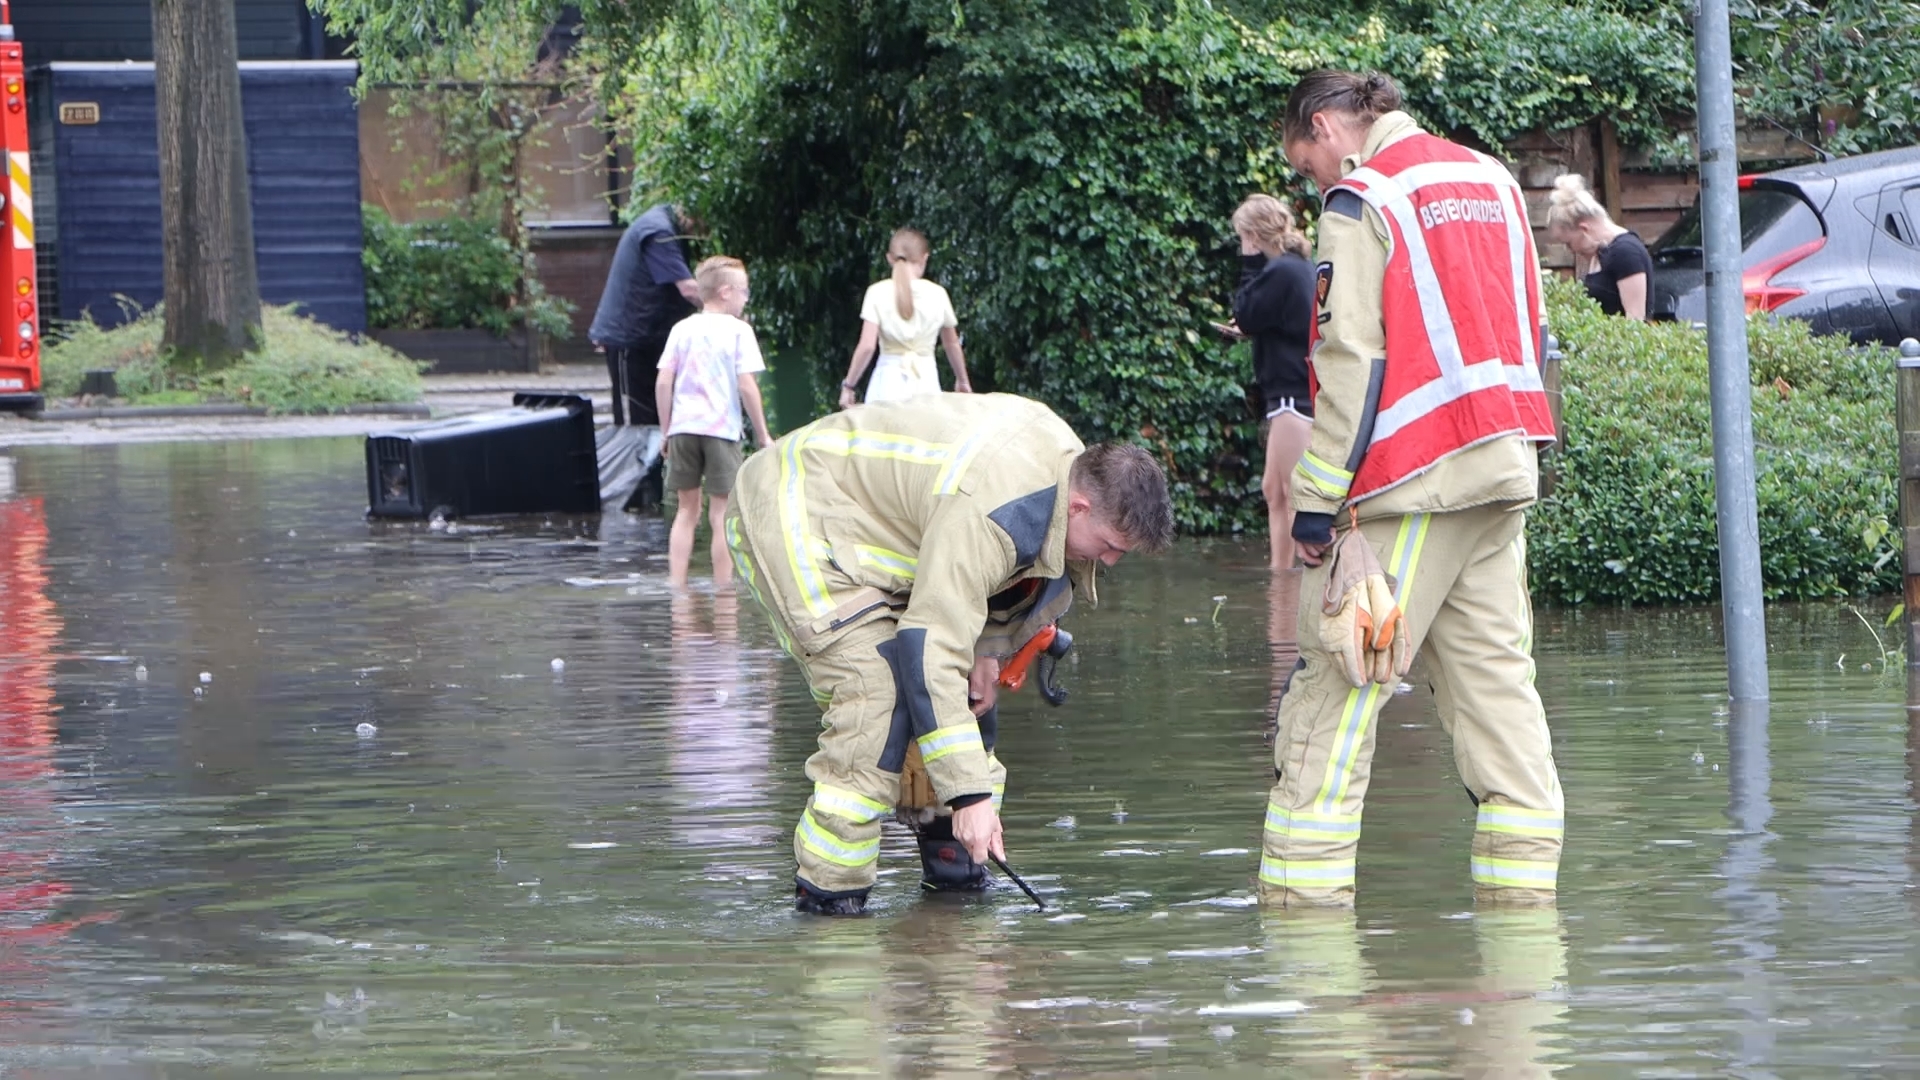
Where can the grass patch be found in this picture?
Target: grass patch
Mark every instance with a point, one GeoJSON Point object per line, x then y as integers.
{"type": "Point", "coordinates": [304, 366]}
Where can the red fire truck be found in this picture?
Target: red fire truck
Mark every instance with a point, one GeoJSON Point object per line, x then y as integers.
{"type": "Point", "coordinates": [19, 341]}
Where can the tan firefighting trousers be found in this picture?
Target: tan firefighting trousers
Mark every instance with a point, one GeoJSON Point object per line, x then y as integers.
{"type": "Point", "coordinates": [837, 842]}
{"type": "Point", "coordinates": [1462, 582]}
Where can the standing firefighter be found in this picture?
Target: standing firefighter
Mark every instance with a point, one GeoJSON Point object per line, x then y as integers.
{"type": "Point", "coordinates": [903, 550]}
{"type": "Point", "coordinates": [1427, 412]}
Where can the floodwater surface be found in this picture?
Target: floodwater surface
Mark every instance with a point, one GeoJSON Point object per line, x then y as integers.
{"type": "Point", "coordinates": [285, 790]}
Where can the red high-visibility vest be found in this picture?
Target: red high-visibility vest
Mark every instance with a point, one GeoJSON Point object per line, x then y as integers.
{"type": "Point", "coordinates": [1461, 308]}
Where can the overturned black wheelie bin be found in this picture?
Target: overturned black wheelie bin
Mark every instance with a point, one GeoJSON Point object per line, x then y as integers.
{"type": "Point", "coordinates": [537, 457]}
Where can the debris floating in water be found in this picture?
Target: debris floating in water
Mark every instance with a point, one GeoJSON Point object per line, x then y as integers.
{"type": "Point", "coordinates": [206, 677]}
{"type": "Point", "coordinates": [1254, 1008]}
{"type": "Point", "coordinates": [558, 665]}
{"type": "Point", "coordinates": [592, 845]}
{"type": "Point", "coordinates": [365, 730]}
{"type": "Point", "coordinates": [720, 697]}
{"type": "Point", "coordinates": [1699, 758]}
{"type": "Point", "coordinates": [1065, 822]}
{"type": "Point", "coordinates": [1466, 1017]}
{"type": "Point", "coordinates": [140, 673]}
{"type": "Point", "coordinates": [1226, 851]}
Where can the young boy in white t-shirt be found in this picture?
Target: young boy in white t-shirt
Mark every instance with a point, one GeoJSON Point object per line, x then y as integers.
{"type": "Point", "coordinates": [706, 375]}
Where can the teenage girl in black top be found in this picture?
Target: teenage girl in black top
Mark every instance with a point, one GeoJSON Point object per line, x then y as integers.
{"type": "Point", "coordinates": [1274, 307]}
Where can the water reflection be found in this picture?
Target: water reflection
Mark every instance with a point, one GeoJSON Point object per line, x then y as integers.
{"type": "Point", "coordinates": [719, 734]}
{"type": "Point", "coordinates": [30, 882]}
{"type": "Point", "coordinates": [525, 872]}
{"type": "Point", "coordinates": [1753, 907]}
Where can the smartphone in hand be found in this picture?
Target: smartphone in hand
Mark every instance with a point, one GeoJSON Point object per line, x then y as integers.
{"type": "Point", "coordinates": [1228, 331]}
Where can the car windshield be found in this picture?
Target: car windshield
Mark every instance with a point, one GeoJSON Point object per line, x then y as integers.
{"type": "Point", "coordinates": [1772, 220]}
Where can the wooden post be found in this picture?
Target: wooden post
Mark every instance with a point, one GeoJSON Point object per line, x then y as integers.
{"type": "Point", "coordinates": [1550, 357]}
{"type": "Point", "coordinates": [1908, 405]}
{"type": "Point", "coordinates": [1610, 167]}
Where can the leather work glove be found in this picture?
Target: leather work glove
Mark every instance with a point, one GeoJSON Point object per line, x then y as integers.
{"type": "Point", "coordinates": [1391, 651]}
{"type": "Point", "coordinates": [1361, 625]}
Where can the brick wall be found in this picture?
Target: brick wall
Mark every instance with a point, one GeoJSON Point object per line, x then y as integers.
{"type": "Point", "coordinates": [573, 264]}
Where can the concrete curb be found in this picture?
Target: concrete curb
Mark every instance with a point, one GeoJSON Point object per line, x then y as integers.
{"type": "Point", "coordinates": [154, 412]}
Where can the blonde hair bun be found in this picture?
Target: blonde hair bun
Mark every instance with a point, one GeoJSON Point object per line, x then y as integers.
{"type": "Point", "coordinates": [1572, 202]}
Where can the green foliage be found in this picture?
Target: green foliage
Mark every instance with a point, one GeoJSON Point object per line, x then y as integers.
{"type": "Point", "coordinates": [1632, 516]}
{"type": "Point", "coordinates": [1076, 171]}
{"type": "Point", "coordinates": [1073, 161]}
{"type": "Point", "coordinates": [480, 71]}
{"type": "Point", "coordinates": [303, 367]}
{"type": "Point", "coordinates": [447, 273]}
{"type": "Point", "coordinates": [1843, 69]}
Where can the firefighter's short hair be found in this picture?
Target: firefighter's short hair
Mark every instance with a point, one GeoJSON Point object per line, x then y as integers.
{"type": "Point", "coordinates": [1128, 489]}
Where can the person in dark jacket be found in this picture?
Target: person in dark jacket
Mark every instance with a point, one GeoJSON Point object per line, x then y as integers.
{"type": "Point", "coordinates": [1274, 306]}
{"type": "Point", "coordinates": [649, 288]}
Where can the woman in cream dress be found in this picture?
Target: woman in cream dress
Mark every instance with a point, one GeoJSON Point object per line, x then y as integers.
{"type": "Point", "coordinates": [900, 318]}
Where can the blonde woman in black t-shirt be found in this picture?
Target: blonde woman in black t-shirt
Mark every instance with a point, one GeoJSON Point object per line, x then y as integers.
{"type": "Point", "coordinates": [1610, 260]}
{"type": "Point", "coordinates": [1274, 307]}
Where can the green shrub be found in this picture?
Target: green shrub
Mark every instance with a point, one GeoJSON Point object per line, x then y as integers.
{"type": "Point", "coordinates": [1632, 515]}
{"type": "Point", "coordinates": [305, 366]}
{"type": "Point", "coordinates": [131, 350]}
{"type": "Point", "coordinates": [449, 273]}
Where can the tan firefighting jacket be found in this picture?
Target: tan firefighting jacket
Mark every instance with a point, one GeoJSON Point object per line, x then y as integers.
{"type": "Point", "coordinates": [947, 511]}
{"type": "Point", "coordinates": [1350, 275]}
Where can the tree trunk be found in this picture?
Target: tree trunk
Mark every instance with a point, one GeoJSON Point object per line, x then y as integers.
{"type": "Point", "coordinates": [206, 209]}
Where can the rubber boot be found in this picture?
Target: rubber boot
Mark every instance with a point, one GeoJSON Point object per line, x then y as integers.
{"type": "Point", "coordinates": [811, 901]}
{"type": "Point", "coordinates": [945, 864]}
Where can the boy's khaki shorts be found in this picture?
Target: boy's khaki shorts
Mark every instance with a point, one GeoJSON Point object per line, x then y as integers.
{"type": "Point", "coordinates": [703, 461]}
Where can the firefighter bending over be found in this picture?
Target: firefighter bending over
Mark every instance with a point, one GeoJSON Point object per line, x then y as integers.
{"type": "Point", "coordinates": [1427, 413]}
{"type": "Point", "coordinates": [903, 550]}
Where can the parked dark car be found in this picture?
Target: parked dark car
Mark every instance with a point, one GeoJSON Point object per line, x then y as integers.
{"type": "Point", "coordinates": [1835, 243]}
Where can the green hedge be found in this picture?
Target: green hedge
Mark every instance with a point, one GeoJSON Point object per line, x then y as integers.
{"type": "Point", "coordinates": [1632, 516]}
{"type": "Point", "coordinates": [447, 273]}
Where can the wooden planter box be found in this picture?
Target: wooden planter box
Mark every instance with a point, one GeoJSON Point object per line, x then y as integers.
{"type": "Point", "coordinates": [467, 352]}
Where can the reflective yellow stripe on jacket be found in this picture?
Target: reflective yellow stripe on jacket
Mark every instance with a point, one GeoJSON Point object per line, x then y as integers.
{"type": "Point", "coordinates": [805, 552]}
{"type": "Point", "coordinates": [1330, 480]}
{"type": "Point", "coordinates": [947, 740]}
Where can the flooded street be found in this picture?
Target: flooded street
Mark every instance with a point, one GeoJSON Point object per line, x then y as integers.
{"type": "Point", "coordinates": [285, 790]}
